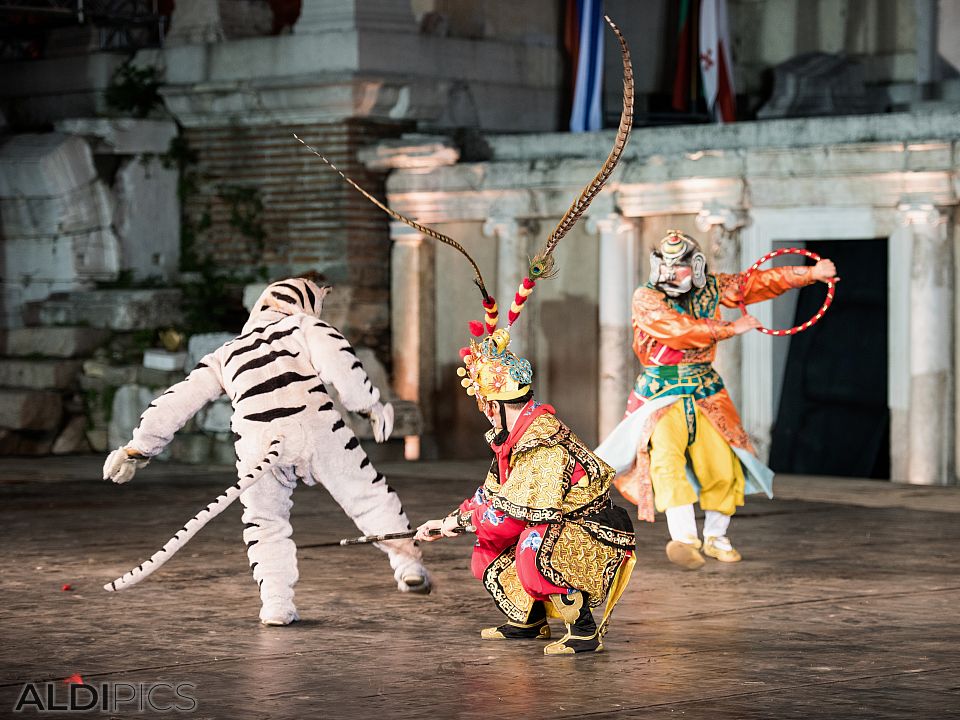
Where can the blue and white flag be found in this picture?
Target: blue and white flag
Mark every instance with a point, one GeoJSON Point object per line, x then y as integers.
{"type": "Point", "coordinates": [586, 113]}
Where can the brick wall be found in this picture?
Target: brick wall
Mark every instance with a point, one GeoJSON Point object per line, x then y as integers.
{"type": "Point", "coordinates": [310, 218]}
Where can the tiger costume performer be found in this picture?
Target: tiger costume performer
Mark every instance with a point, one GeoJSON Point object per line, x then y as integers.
{"type": "Point", "coordinates": [287, 428]}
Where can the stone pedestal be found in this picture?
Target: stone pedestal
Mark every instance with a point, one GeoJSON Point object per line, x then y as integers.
{"type": "Point", "coordinates": [513, 261]}
{"type": "Point", "coordinates": [618, 277]}
{"type": "Point", "coordinates": [722, 225]}
{"type": "Point", "coordinates": [930, 415]}
{"type": "Point", "coordinates": [413, 322]}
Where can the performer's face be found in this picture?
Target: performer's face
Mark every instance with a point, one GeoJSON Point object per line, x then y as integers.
{"type": "Point", "coordinates": [675, 280]}
{"type": "Point", "coordinates": [492, 412]}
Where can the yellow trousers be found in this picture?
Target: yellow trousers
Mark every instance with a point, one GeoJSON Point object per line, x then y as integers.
{"type": "Point", "coordinates": [714, 463]}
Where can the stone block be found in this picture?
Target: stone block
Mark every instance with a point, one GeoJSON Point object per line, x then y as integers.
{"type": "Point", "coordinates": [215, 417]}
{"type": "Point", "coordinates": [121, 136]}
{"type": "Point", "coordinates": [818, 83]}
{"type": "Point", "coordinates": [73, 438]}
{"type": "Point", "coordinates": [38, 374]}
{"type": "Point", "coordinates": [30, 409]}
{"type": "Point", "coordinates": [107, 374]}
{"type": "Point", "coordinates": [191, 448]}
{"type": "Point", "coordinates": [129, 402]}
{"type": "Point", "coordinates": [148, 219]}
{"type": "Point", "coordinates": [87, 256]}
{"type": "Point", "coordinates": [98, 440]}
{"type": "Point", "coordinates": [203, 344]}
{"type": "Point", "coordinates": [83, 209]}
{"type": "Point", "coordinates": [14, 442]}
{"type": "Point", "coordinates": [222, 452]}
{"type": "Point", "coordinates": [161, 379]}
{"type": "Point", "coordinates": [114, 309]}
{"type": "Point", "coordinates": [60, 342]}
{"type": "Point", "coordinates": [211, 21]}
{"type": "Point", "coordinates": [44, 165]}
{"type": "Point", "coordinates": [155, 359]}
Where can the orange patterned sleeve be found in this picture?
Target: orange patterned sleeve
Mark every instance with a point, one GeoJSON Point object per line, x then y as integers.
{"type": "Point", "coordinates": [763, 284]}
{"type": "Point", "coordinates": [655, 319]}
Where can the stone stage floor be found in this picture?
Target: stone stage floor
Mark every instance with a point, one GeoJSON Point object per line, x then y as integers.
{"type": "Point", "coordinates": [846, 606]}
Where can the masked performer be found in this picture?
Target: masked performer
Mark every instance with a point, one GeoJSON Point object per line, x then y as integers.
{"type": "Point", "coordinates": [549, 540]}
{"type": "Point", "coordinates": [682, 438]}
{"type": "Point", "coordinates": [276, 375]}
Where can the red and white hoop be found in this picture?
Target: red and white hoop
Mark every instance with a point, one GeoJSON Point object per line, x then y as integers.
{"type": "Point", "coordinates": [831, 288]}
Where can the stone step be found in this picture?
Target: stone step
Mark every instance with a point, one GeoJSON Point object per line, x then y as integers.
{"type": "Point", "coordinates": [113, 309]}
{"type": "Point", "coordinates": [58, 342]}
{"type": "Point", "coordinates": [30, 409]}
{"type": "Point", "coordinates": [38, 374]}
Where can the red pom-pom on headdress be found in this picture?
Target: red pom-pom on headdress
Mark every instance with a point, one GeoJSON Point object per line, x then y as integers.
{"type": "Point", "coordinates": [476, 328]}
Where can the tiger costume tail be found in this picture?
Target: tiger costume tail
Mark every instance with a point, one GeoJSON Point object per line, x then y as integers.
{"type": "Point", "coordinates": [198, 521]}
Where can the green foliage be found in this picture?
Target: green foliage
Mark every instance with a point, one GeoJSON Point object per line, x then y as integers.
{"type": "Point", "coordinates": [246, 211]}
{"type": "Point", "coordinates": [134, 90]}
{"type": "Point", "coordinates": [214, 301]}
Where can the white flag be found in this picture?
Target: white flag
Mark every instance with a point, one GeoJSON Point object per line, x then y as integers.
{"type": "Point", "coordinates": [716, 65]}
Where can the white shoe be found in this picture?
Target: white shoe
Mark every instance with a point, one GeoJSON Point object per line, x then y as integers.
{"type": "Point", "coordinates": [414, 579]}
{"type": "Point", "coordinates": [278, 612]}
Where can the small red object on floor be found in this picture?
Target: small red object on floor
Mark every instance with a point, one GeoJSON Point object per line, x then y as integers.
{"type": "Point", "coordinates": [74, 679]}
{"type": "Point", "coordinates": [67, 587]}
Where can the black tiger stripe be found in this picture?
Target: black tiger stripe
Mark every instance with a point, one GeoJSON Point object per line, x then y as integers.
{"type": "Point", "coordinates": [257, 330]}
{"type": "Point", "coordinates": [275, 383]}
{"type": "Point", "coordinates": [252, 543]}
{"type": "Point", "coordinates": [391, 490]}
{"type": "Point", "coordinates": [338, 424]}
{"type": "Point", "coordinates": [264, 360]}
{"type": "Point", "coordinates": [356, 364]}
{"type": "Point", "coordinates": [321, 323]}
{"type": "Point", "coordinates": [293, 287]}
{"type": "Point", "coordinates": [247, 526]}
{"type": "Point", "coordinates": [113, 584]}
{"type": "Point", "coordinates": [311, 295]}
{"type": "Point", "coordinates": [260, 341]}
{"type": "Point", "coordinates": [364, 462]}
{"type": "Point", "coordinates": [351, 444]}
{"type": "Point", "coordinates": [254, 565]}
{"type": "Point", "coordinates": [275, 442]}
{"type": "Point", "coordinates": [326, 406]}
{"type": "Point", "coordinates": [336, 336]}
{"type": "Point", "coordinates": [274, 453]}
{"type": "Point", "coordinates": [349, 349]}
{"type": "Point", "coordinates": [284, 298]}
{"type": "Point", "coordinates": [319, 388]}
{"type": "Point", "coordinates": [200, 364]}
{"type": "Point", "coordinates": [274, 414]}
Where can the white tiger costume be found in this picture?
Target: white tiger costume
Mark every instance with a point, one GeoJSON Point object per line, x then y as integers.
{"type": "Point", "coordinates": [274, 373]}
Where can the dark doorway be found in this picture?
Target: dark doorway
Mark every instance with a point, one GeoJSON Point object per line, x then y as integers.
{"type": "Point", "coordinates": [833, 417]}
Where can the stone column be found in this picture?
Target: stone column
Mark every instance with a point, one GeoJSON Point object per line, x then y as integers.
{"type": "Point", "coordinates": [413, 321]}
{"type": "Point", "coordinates": [513, 260]}
{"type": "Point", "coordinates": [930, 414]}
{"type": "Point", "coordinates": [619, 242]}
{"type": "Point", "coordinates": [339, 15]}
{"type": "Point", "coordinates": [722, 225]}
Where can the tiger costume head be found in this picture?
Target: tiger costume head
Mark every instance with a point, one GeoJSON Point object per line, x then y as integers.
{"type": "Point", "coordinates": [291, 296]}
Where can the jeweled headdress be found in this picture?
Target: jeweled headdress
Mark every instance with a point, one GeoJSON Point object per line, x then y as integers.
{"type": "Point", "coordinates": [492, 372]}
